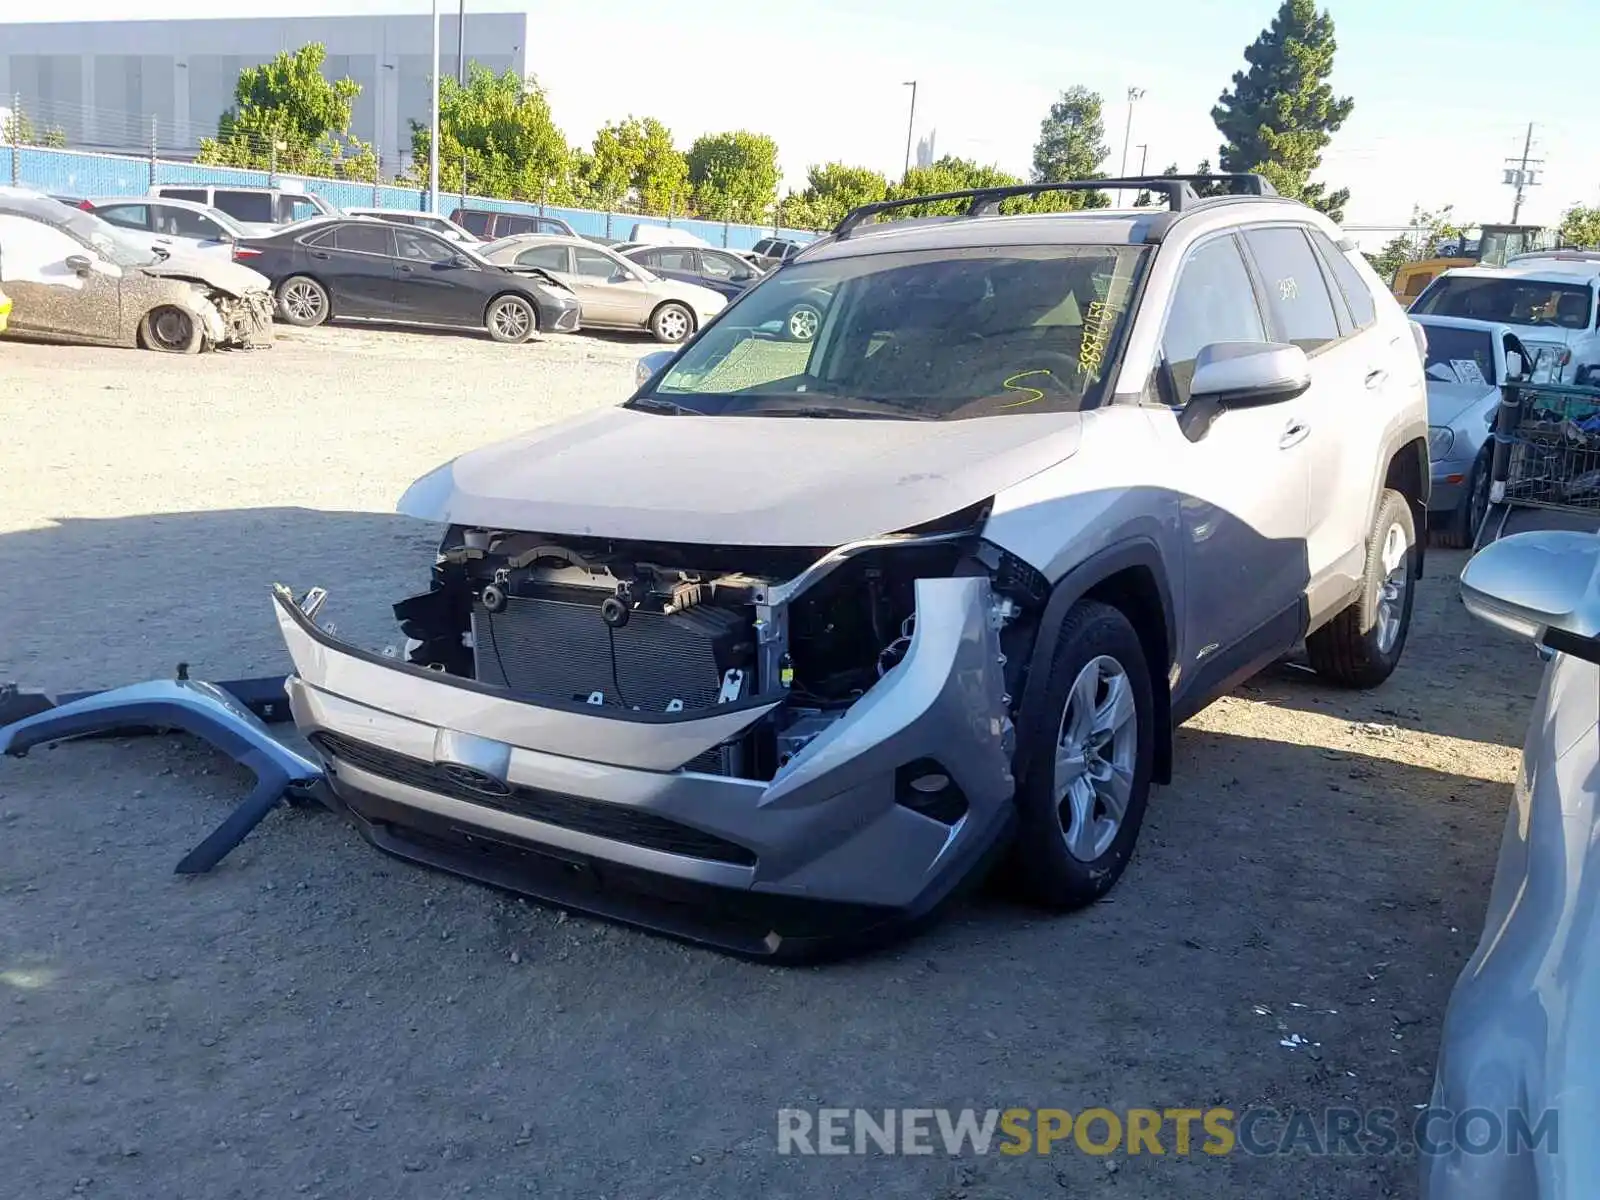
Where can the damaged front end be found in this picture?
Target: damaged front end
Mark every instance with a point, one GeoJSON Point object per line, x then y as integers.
{"type": "Point", "coordinates": [246, 320]}
{"type": "Point", "coordinates": [776, 751]}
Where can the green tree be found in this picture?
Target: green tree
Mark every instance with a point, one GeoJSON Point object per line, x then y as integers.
{"type": "Point", "coordinates": [1072, 145]}
{"type": "Point", "coordinates": [734, 175]}
{"type": "Point", "coordinates": [949, 174]}
{"type": "Point", "coordinates": [1280, 114]}
{"type": "Point", "coordinates": [18, 130]}
{"type": "Point", "coordinates": [832, 190]}
{"type": "Point", "coordinates": [635, 160]}
{"type": "Point", "coordinates": [1429, 229]}
{"type": "Point", "coordinates": [1580, 226]}
{"type": "Point", "coordinates": [287, 114]}
{"type": "Point", "coordinates": [500, 128]}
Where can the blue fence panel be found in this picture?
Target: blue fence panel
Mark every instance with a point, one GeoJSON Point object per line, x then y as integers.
{"type": "Point", "coordinates": [75, 173]}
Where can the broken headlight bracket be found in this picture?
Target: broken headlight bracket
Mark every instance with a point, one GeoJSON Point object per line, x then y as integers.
{"type": "Point", "coordinates": [232, 716]}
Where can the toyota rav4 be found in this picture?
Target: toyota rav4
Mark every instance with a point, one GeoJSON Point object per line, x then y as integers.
{"type": "Point", "coordinates": [782, 650]}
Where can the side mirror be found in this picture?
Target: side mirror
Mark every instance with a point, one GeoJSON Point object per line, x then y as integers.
{"type": "Point", "coordinates": [1542, 586]}
{"type": "Point", "coordinates": [620, 275]}
{"type": "Point", "coordinates": [1241, 375]}
{"type": "Point", "coordinates": [652, 365]}
{"type": "Point", "coordinates": [79, 264]}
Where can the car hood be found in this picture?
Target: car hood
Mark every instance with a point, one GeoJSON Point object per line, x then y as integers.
{"type": "Point", "coordinates": [747, 481]}
{"type": "Point", "coordinates": [1447, 402]}
{"type": "Point", "coordinates": [227, 277]}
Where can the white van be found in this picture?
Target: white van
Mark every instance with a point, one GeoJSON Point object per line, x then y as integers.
{"type": "Point", "coordinates": [251, 205]}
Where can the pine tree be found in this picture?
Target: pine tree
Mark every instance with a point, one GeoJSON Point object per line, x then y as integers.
{"type": "Point", "coordinates": [1279, 115]}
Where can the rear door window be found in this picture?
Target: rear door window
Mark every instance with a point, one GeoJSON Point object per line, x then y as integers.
{"type": "Point", "coordinates": [127, 216]}
{"type": "Point", "coordinates": [474, 222]}
{"type": "Point", "coordinates": [1214, 301]}
{"type": "Point", "coordinates": [244, 206]}
{"type": "Point", "coordinates": [198, 195]}
{"type": "Point", "coordinates": [360, 237]}
{"type": "Point", "coordinates": [551, 258]}
{"type": "Point", "coordinates": [1297, 294]}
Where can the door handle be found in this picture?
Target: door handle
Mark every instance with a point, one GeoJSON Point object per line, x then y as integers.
{"type": "Point", "coordinates": [1376, 376]}
{"type": "Point", "coordinates": [319, 254]}
{"type": "Point", "coordinates": [405, 268]}
{"type": "Point", "coordinates": [1293, 434]}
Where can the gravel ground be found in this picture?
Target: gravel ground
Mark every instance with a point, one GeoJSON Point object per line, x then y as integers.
{"type": "Point", "coordinates": [317, 1019]}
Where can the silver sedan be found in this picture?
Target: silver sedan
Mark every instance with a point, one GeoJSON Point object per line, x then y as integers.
{"type": "Point", "coordinates": [615, 293]}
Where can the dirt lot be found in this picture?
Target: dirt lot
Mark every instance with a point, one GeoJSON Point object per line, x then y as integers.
{"type": "Point", "coordinates": [316, 1019]}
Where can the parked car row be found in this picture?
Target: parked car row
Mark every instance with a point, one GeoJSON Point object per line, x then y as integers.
{"type": "Point", "coordinates": [72, 276]}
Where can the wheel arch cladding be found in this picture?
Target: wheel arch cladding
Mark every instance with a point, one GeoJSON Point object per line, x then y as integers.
{"type": "Point", "coordinates": [1408, 472]}
{"type": "Point", "coordinates": [1131, 577]}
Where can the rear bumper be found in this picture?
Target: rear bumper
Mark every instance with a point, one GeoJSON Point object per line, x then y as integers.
{"type": "Point", "coordinates": [593, 809]}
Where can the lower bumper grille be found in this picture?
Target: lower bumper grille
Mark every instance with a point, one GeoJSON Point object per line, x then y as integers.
{"type": "Point", "coordinates": [614, 822]}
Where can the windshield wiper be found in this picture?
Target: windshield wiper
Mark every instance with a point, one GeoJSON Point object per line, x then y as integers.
{"type": "Point", "coordinates": [660, 405]}
{"type": "Point", "coordinates": [847, 414]}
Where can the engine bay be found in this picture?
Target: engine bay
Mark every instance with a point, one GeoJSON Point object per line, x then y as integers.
{"type": "Point", "coordinates": [654, 628]}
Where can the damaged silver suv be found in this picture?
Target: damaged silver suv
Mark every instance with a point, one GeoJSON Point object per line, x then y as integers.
{"type": "Point", "coordinates": [779, 652]}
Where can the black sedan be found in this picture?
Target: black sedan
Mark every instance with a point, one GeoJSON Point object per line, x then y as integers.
{"type": "Point", "coordinates": [720, 270]}
{"type": "Point", "coordinates": [360, 267]}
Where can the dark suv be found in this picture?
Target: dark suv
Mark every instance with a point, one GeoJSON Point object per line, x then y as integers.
{"type": "Point", "coordinates": [490, 225]}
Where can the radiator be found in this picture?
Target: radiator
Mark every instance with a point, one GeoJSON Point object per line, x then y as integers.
{"type": "Point", "coordinates": [560, 649]}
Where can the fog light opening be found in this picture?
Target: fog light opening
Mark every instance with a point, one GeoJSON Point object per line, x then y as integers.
{"type": "Point", "coordinates": [926, 788]}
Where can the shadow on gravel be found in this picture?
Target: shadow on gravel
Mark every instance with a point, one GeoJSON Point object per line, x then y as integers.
{"type": "Point", "coordinates": [91, 603]}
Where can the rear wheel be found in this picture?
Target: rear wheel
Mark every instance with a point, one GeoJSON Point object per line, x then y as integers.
{"type": "Point", "coordinates": [171, 330]}
{"type": "Point", "coordinates": [511, 319]}
{"type": "Point", "coordinates": [1091, 751]}
{"type": "Point", "coordinates": [303, 301]}
{"type": "Point", "coordinates": [1361, 646]}
{"type": "Point", "coordinates": [671, 323]}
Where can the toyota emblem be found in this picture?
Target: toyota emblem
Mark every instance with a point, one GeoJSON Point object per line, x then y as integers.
{"type": "Point", "coordinates": [475, 780]}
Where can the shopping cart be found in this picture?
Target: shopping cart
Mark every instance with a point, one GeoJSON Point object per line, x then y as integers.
{"type": "Point", "coordinates": [1546, 467]}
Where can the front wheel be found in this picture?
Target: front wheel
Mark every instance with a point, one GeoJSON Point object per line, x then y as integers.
{"type": "Point", "coordinates": [1460, 530]}
{"type": "Point", "coordinates": [671, 323]}
{"type": "Point", "coordinates": [1090, 752]}
{"type": "Point", "coordinates": [1361, 646]}
{"type": "Point", "coordinates": [171, 330]}
{"type": "Point", "coordinates": [511, 319]}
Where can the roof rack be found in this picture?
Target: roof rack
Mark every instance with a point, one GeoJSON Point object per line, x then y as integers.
{"type": "Point", "coordinates": [1179, 191]}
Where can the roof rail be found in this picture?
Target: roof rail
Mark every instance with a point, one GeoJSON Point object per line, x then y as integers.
{"type": "Point", "coordinates": [1179, 191]}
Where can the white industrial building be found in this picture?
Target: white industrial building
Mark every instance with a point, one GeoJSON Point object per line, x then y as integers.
{"type": "Point", "coordinates": [113, 85]}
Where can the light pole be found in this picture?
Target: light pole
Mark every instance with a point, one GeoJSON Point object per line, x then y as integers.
{"type": "Point", "coordinates": [461, 83]}
{"type": "Point", "coordinates": [1144, 156]}
{"type": "Point", "coordinates": [911, 122]}
{"type": "Point", "coordinates": [1134, 93]}
{"type": "Point", "coordinates": [433, 121]}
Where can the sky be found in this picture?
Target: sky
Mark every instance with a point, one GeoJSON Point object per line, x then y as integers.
{"type": "Point", "coordinates": [1444, 90]}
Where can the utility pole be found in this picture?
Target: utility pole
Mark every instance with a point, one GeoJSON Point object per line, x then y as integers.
{"type": "Point", "coordinates": [1134, 93]}
{"type": "Point", "coordinates": [433, 121]}
{"type": "Point", "coordinates": [911, 122]}
{"type": "Point", "coordinates": [461, 82]}
{"type": "Point", "coordinates": [1521, 176]}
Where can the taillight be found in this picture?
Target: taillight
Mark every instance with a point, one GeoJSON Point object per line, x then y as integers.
{"type": "Point", "coordinates": [85, 205]}
{"type": "Point", "coordinates": [242, 252]}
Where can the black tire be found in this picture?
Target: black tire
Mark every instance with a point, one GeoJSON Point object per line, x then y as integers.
{"type": "Point", "coordinates": [1048, 872]}
{"type": "Point", "coordinates": [1460, 529]}
{"type": "Point", "coordinates": [671, 323]}
{"type": "Point", "coordinates": [1354, 650]}
{"type": "Point", "coordinates": [303, 301]}
{"type": "Point", "coordinates": [510, 319]}
{"type": "Point", "coordinates": [171, 330]}
{"type": "Point", "coordinates": [802, 323]}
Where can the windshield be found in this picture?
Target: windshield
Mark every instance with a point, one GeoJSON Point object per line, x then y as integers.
{"type": "Point", "coordinates": [113, 244]}
{"type": "Point", "coordinates": [929, 335]}
{"type": "Point", "coordinates": [1509, 301]}
{"type": "Point", "coordinates": [1460, 355]}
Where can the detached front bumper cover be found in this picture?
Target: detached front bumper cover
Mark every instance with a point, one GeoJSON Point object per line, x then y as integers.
{"type": "Point", "coordinates": [594, 809]}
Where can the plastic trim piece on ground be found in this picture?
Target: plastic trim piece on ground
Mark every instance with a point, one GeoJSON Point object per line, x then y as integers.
{"type": "Point", "coordinates": [199, 708]}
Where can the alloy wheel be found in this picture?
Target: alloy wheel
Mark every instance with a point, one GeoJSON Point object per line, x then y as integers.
{"type": "Point", "coordinates": [302, 301]}
{"type": "Point", "coordinates": [510, 321]}
{"type": "Point", "coordinates": [1392, 591]}
{"type": "Point", "coordinates": [1096, 752]}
